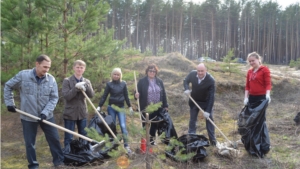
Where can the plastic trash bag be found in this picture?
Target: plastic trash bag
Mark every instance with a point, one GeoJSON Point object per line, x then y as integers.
{"type": "Point", "coordinates": [253, 129]}
{"type": "Point", "coordinates": [166, 126]}
{"type": "Point", "coordinates": [192, 143]}
{"type": "Point", "coordinates": [79, 152]}
{"type": "Point", "coordinates": [100, 127]}
{"type": "Point", "coordinates": [297, 119]}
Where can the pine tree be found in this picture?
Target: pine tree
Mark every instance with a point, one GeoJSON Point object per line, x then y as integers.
{"type": "Point", "coordinates": [229, 61]}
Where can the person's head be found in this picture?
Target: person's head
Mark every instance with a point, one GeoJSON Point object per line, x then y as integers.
{"type": "Point", "coordinates": [254, 59]}
{"type": "Point", "coordinates": [151, 71]}
{"type": "Point", "coordinates": [79, 68]}
{"type": "Point", "coordinates": [116, 74]}
{"type": "Point", "coordinates": [201, 70]}
{"type": "Point", "coordinates": [42, 65]}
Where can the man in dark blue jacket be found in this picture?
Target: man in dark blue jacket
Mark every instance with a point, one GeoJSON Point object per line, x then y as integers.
{"type": "Point", "coordinates": [203, 92]}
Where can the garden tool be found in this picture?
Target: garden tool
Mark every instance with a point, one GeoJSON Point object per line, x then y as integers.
{"type": "Point", "coordinates": [234, 145]}
{"type": "Point", "coordinates": [143, 140]}
{"type": "Point", "coordinates": [106, 125]}
{"type": "Point", "coordinates": [93, 148]}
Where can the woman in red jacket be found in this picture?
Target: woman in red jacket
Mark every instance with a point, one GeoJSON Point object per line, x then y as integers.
{"type": "Point", "coordinates": [258, 86]}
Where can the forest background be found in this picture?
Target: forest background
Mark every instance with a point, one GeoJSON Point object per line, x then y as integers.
{"type": "Point", "coordinates": [100, 31]}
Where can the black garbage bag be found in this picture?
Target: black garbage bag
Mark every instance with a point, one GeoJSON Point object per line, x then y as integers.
{"type": "Point", "coordinates": [166, 126]}
{"type": "Point", "coordinates": [79, 152]}
{"type": "Point", "coordinates": [192, 143]}
{"type": "Point", "coordinates": [253, 129]}
{"type": "Point", "coordinates": [297, 119]}
{"type": "Point", "coordinates": [99, 125]}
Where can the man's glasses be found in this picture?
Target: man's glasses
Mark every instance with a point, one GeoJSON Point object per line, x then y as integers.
{"type": "Point", "coordinates": [151, 71]}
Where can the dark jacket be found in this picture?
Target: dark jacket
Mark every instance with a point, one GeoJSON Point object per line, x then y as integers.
{"type": "Point", "coordinates": [75, 101]}
{"type": "Point", "coordinates": [203, 93]}
{"type": "Point", "coordinates": [143, 85]}
{"type": "Point", "coordinates": [118, 93]}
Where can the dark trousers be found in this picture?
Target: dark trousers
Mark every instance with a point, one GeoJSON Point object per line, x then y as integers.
{"type": "Point", "coordinates": [70, 124]}
{"type": "Point", "coordinates": [153, 127]}
{"type": "Point", "coordinates": [193, 121]}
{"type": "Point", "coordinates": [52, 137]}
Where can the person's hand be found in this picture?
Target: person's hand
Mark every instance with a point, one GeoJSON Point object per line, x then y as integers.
{"type": "Point", "coordinates": [131, 111]}
{"type": "Point", "coordinates": [137, 95]}
{"type": "Point", "coordinates": [11, 109]}
{"type": "Point", "coordinates": [187, 92]}
{"type": "Point", "coordinates": [246, 100]}
{"type": "Point", "coordinates": [206, 115]}
{"type": "Point", "coordinates": [43, 117]}
{"type": "Point", "coordinates": [81, 86]}
{"type": "Point", "coordinates": [268, 98]}
{"type": "Point", "coordinates": [98, 109]}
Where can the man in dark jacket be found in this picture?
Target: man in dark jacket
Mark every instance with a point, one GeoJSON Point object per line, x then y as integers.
{"type": "Point", "coordinates": [75, 111]}
{"type": "Point", "coordinates": [203, 92]}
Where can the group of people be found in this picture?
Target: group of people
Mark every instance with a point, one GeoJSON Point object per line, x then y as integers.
{"type": "Point", "coordinates": [39, 96]}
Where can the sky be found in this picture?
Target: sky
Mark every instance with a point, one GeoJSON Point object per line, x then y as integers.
{"type": "Point", "coordinates": [283, 3]}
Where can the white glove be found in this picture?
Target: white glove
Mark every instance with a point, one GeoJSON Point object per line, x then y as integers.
{"type": "Point", "coordinates": [98, 109]}
{"type": "Point", "coordinates": [246, 100]}
{"type": "Point", "coordinates": [131, 111]}
{"type": "Point", "coordinates": [80, 86]}
{"type": "Point", "coordinates": [187, 92]}
{"type": "Point", "coordinates": [268, 98]}
{"type": "Point", "coordinates": [206, 115]}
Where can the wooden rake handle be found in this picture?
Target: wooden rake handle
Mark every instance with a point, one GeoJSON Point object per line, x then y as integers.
{"type": "Point", "coordinates": [59, 127]}
{"type": "Point", "coordinates": [111, 132]}
{"type": "Point", "coordinates": [209, 119]}
{"type": "Point", "coordinates": [106, 125]}
{"type": "Point", "coordinates": [138, 101]}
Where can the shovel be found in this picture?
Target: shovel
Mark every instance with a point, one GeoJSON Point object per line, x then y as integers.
{"type": "Point", "coordinates": [96, 146]}
{"type": "Point", "coordinates": [233, 144]}
{"type": "Point", "coordinates": [106, 125]}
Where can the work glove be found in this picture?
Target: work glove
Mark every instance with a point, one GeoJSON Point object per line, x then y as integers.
{"type": "Point", "coordinates": [268, 98]}
{"type": "Point", "coordinates": [81, 86]}
{"type": "Point", "coordinates": [11, 109]}
{"type": "Point", "coordinates": [131, 111]}
{"type": "Point", "coordinates": [246, 100]}
{"type": "Point", "coordinates": [187, 92]}
{"type": "Point", "coordinates": [98, 109]}
{"type": "Point", "coordinates": [206, 115]}
{"type": "Point", "coordinates": [43, 117]}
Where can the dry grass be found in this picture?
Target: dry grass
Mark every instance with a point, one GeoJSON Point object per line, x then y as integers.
{"type": "Point", "coordinates": [284, 135]}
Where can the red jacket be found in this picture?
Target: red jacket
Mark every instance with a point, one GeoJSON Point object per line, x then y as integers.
{"type": "Point", "coordinates": [259, 82]}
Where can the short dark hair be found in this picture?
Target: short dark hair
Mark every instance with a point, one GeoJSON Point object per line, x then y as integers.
{"type": "Point", "coordinates": [43, 57]}
{"type": "Point", "coordinates": [152, 66]}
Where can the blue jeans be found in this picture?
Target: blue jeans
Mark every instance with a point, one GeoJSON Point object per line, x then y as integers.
{"type": "Point", "coordinates": [70, 124]}
{"type": "Point", "coordinates": [193, 121]}
{"type": "Point", "coordinates": [52, 137]}
{"type": "Point", "coordinates": [122, 122]}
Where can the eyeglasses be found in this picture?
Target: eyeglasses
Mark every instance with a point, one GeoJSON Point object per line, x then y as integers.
{"type": "Point", "coordinates": [151, 71]}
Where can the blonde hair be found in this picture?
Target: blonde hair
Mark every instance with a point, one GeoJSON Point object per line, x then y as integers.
{"type": "Point", "coordinates": [79, 62]}
{"type": "Point", "coordinates": [118, 70]}
{"type": "Point", "coordinates": [256, 55]}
